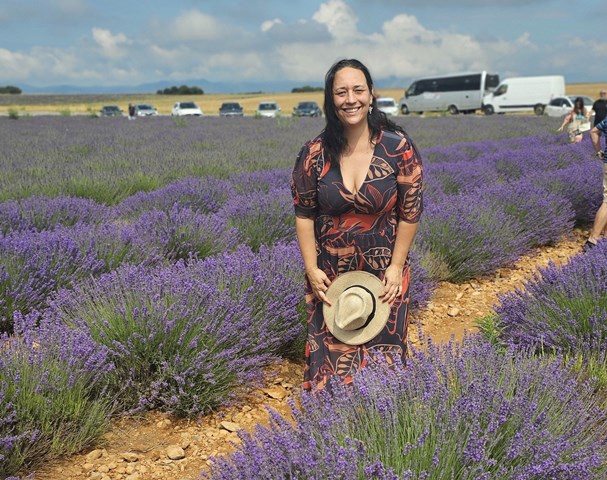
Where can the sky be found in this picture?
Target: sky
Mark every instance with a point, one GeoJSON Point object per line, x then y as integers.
{"type": "Point", "coordinates": [132, 42]}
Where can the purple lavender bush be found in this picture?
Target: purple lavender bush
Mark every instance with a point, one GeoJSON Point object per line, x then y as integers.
{"type": "Point", "coordinates": [468, 411]}
{"type": "Point", "coordinates": [462, 238]}
{"type": "Point", "coordinates": [182, 233]}
{"type": "Point", "coordinates": [580, 183]}
{"type": "Point", "coordinates": [52, 396]}
{"type": "Point", "coordinates": [272, 280]}
{"type": "Point", "coordinates": [260, 180]}
{"type": "Point", "coordinates": [562, 309]}
{"type": "Point", "coordinates": [44, 213]}
{"type": "Point", "coordinates": [544, 217]}
{"type": "Point", "coordinates": [34, 265]}
{"type": "Point", "coordinates": [262, 218]}
{"type": "Point", "coordinates": [178, 342]}
{"type": "Point", "coordinates": [202, 194]}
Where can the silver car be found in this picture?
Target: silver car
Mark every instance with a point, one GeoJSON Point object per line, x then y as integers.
{"type": "Point", "coordinates": [268, 109]}
{"type": "Point", "coordinates": [145, 110]}
{"type": "Point", "coordinates": [559, 106]}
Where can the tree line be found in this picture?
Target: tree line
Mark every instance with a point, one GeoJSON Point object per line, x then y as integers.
{"type": "Point", "coordinates": [181, 90]}
{"type": "Point", "coordinates": [10, 89]}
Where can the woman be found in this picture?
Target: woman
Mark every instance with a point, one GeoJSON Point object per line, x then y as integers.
{"type": "Point", "coordinates": [574, 120]}
{"type": "Point", "coordinates": [357, 191]}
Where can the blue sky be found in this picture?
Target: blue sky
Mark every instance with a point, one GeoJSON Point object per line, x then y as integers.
{"type": "Point", "coordinates": [130, 42]}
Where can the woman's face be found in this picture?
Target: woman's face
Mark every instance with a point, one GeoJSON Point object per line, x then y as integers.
{"type": "Point", "coordinates": [351, 96]}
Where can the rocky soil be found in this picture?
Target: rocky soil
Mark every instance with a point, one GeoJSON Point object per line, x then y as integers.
{"type": "Point", "coordinates": [158, 446]}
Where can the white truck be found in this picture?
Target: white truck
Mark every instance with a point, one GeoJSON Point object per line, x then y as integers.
{"type": "Point", "coordinates": [524, 94]}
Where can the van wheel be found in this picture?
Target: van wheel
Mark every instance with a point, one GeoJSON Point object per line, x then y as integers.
{"type": "Point", "coordinates": [488, 109]}
{"type": "Point", "coordinates": [453, 110]}
{"type": "Point", "coordinates": [404, 109]}
{"type": "Point", "coordinates": [539, 109]}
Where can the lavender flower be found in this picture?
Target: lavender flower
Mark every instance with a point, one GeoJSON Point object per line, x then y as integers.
{"type": "Point", "coordinates": [561, 308]}
{"type": "Point", "coordinates": [466, 411]}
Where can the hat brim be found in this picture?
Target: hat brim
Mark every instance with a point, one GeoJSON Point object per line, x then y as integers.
{"type": "Point", "coordinates": [382, 309]}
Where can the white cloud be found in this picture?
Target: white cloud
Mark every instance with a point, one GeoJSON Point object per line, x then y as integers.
{"type": "Point", "coordinates": [111, 45]}
{"type": "Point", "coordinates": [15, 65]}
{"type": "Point", "coordinates": [268, 24]}
{"type": "Point", "coordinates": [339, 19]}
{"type": "Point", "coordinates": [195, 26]}
{"type": "Point", "coordinates": [195, 44]}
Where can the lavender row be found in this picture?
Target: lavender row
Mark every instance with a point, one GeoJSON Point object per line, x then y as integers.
{"type": "Point", "coordinates": [472, 412]}
{"type": "Point", "coordinates": [53, 399]}
{"type": "Point", "coordinates": [562, 309]}
{"type": "Point", "coordinates": [108, 160]}
{"type": "Point", "coordinates": [471, 232]}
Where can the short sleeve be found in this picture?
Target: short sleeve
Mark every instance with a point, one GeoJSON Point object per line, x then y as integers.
{"type": "Point", "coordinates": [410, 182]}
{"type": "Point", "coordinates": [304, 182]}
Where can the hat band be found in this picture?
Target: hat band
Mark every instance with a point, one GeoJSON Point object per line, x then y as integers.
{"type": "Point", "coordinates": [372, 314]}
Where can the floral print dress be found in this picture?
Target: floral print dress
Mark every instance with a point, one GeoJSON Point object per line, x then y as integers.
{"type": "Point", "coordinates": [356, 231]}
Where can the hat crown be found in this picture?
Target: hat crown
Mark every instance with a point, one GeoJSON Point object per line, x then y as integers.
{"type": "Point", "coordinates": [354, 307]}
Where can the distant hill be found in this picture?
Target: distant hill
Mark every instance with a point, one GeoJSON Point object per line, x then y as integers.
{"type": "Point", "coordinates": [153, 87]}
{"type": "Point", "coordinates": [206, 85]}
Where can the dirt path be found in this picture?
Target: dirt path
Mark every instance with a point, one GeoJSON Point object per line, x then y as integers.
{"type": "Point", "coordinates": [138, 448]}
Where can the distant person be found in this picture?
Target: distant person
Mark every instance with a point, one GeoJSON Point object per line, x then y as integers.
{"type": "Point", "coordinates": [599, 107]}
{"type": "Point", "coordinates": [131, 111]}
{"type": "Point", "coordinates": [600, 219]}
{"type": "Point", "coordinates": [576, 121]}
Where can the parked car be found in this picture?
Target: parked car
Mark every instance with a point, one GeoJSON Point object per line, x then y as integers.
{"type": "Point", "coordinates": [231, 109]}
{"type": "Point", "coordinates": [181, 109]}
{"type": "Point", "coordinates": [145, 110]}
{"type": "Point", "coordinates": [268, 109]}
{"type": "Point", "coordinates": [387, 105]}
{"type": "Point", "coordinates": [559, 106]}
{"type": "Point", "coordinates": [307, 109]}
{"type": "Point", "coordinates": [110, 111]}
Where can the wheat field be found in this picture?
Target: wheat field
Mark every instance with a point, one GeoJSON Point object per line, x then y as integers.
{"type": "Point", "coordinates": [31, 104]}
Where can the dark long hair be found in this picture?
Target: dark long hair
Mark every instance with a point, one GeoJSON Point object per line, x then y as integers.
{"type": "Point", "coordinates": [334, 140]}
{"type": "Point", "coordinates": [578, 105]}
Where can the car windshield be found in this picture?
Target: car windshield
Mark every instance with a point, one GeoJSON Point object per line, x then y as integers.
{"type": "Point", "coordinates": [267, 106]}
{"type": "Point", "coordinates": [307, 105]}
{"type": "Point", "coordinates": [230, 106]}
{"type": "Point", "coordinates": [188, 105]}
{"type": "Point", "coordinates": [385, 103]}
{"type": "Point", "coordinates": [111, 108]}
{"type": "Point", "coordinates": [145, 107]}
{"type": "Point", "coordinates": [587, 100]}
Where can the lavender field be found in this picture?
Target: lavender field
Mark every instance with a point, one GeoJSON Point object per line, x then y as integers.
{"type": "Point", "coordinates": [151, 264]}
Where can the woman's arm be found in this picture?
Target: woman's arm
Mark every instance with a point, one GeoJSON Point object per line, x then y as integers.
{"type": "Point", "coordinates": [566, 120]}
{"type": "Point", "coordinates": [393, 277]}
{"type": "Point", "coordinates": [304, 227]}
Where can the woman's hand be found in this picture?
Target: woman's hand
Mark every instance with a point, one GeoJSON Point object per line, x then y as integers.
{"type": "Point", "coordinates": [319, 283]}
{"type": "Point", "coordinates": [393, 283]}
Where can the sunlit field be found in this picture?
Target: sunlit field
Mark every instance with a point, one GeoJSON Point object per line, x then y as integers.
{"type": "Point", "coordinates": [91, 104]}
{"type": "Point", "coordinates": [152, 265]}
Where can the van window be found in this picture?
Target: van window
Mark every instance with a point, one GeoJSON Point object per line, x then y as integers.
{"type": "Point", "coordinates": [412, 90]}
{"type": "Point", "coordinates": [503, 88]}
{"type": "Point", "coordinates": [491, 81]}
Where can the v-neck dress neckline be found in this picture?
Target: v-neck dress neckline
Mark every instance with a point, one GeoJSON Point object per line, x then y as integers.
{"type": "Point", "coordinates": [358, 189]}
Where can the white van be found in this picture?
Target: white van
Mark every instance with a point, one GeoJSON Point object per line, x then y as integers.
{"type": "Point", "coordinates": [524, 94]}
{"type": "Point", "coordinates": [454, 93]}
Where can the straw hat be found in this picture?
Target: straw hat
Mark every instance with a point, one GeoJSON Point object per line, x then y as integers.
{"type": "Point", "coordinates": [357, 314]}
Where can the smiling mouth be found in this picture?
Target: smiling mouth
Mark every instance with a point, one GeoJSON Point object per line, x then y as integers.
{"type": "Point", "coordinates": [352, 109]}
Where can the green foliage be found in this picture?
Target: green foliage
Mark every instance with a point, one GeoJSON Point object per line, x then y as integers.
{"type": "Point", "coordinates": [181, 90]}
{"type": "Point", "coordinates": [490, 328]}
{"type": "Point", "coordinates": [306, 89]}
{"type": "Point", "coordinates": [54, 413]}
{"type": "Point", "coordinates": [13, 113]}
{"type": "Point", "coordinates": [10, 89]}
{"type": "Point", "coordinates": [66, 112]}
